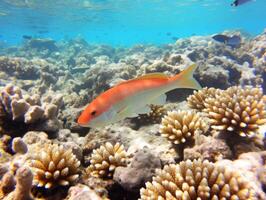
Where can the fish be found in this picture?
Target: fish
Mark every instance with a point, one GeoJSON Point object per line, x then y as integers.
{"type": "Point", "coordinates": [43, 31]}
{"type": "Point", "coordinates": [27, 37]}
{"type": "Point", "coordinates": [133, 97]}
{"type": "Point", "coordinates": [175, 38]}
{"type": "Point", "coordinates": [233, 41]}
{"type": "Point", "coordinates": [239, 2]}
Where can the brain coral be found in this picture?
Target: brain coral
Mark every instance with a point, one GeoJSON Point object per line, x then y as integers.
{"type": "Point", "coordinates": [238, 110]}
{"type": "Point", "coordinates": [105, 159]}
{"type": "Point", "coordinates": [54, 166]}
{"type": "Point", "coordinates": [180, 126]}
{"type": "Point", "coordinates": [197, 99]}
{"type": "Point", "coordinates": [197, 180]}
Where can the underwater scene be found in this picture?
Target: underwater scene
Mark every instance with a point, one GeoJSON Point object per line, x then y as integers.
{"type": "Point", "coordinates": [132, 100]}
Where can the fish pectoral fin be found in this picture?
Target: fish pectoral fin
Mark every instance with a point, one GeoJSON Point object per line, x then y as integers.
{"type": "Point", "coordinates": [159, 100]}
{"type": "Point", "coordinates": [121, 110]}
{"type": "Point", "coordinates": [143, 110]}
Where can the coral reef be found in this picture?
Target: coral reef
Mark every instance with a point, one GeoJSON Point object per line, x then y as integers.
{"type": "Point", "coordinates": [24, 179]}
{"type": "Point", "coordinates": [181, 126]}
{"type": "Point", "coordinates": [197, 180]}
{"type": "Point", "coordinates": [237, 110]}
{"type": "Point", "coordinates": [7, 184]}
{"type": "Point", "coordinates": [197, 100]}
{"type": "Point", "coordinates": [19, 146]}
{"type": "Point", "coordinates": [45, 84]}
{"type": "Point", "coordinates": [106, 159]}
{"type": "Point", "coordinates": [54, 166]}
{"type": "Point", "coordinates": [28, 111]}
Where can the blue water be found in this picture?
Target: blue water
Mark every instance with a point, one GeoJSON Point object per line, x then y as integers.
{"type": "Point", "coordinates": [126, 22]}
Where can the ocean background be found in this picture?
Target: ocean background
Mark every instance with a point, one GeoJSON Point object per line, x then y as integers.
{"type": "Point", "coordinates": [126, 22]}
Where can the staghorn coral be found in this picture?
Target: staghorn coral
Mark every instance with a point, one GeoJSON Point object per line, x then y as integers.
{"type": "Point", "coordinates": [238, 110]}
{"type": "Point", "coordinates": [197, 180]}
{"type": "Point", "coordinates": [54, 166]}
{"type": "Point", "coordinates": [197, 99]}
{"type": "Point", "coordinates": [181, 126]}
{"type": "Point", "coordinates": [105, 159]}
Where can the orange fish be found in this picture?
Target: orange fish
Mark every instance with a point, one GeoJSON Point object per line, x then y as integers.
{"type": "Point", "coordinates": [133, 97]}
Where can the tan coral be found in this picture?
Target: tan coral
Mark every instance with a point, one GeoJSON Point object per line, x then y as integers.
{"type": "Point", "coordinates": [181, 126]}
{"type": "Point", "coordinates": [54, 166]}
{"type": "Point", "coordinates": [105, 159]}
{"type": "Point", "coordinates": [237, 110]}
{"type": "Point", "coordinates": [197, 180]}
{"type": "Point", "coordinates": [154, 116]}
{"type": "Point", "coordinates": [196, 100]}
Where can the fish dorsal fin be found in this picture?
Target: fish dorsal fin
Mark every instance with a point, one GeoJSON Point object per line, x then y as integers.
{"type": "Point", "coordinates": [151, 76]}
{"type": "Point", "coordinates": [146, 76]}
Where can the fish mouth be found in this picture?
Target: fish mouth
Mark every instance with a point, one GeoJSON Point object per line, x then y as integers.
{"type": "Point", "coordinates": [82, 123]}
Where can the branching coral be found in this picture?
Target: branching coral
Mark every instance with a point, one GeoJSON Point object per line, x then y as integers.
{"type": "Point", "coordinates": [237, 110]}
{"type": "Point", "coordinates": [54, 166]}
{"type": "Point", "coordinates": [154, 116]}
{"type": "Point", "coordinates": [180, 126]}
{"type": "Point", "coordinates": [197, 99]}
{"type": "Point", "coordinates": [105, 159]}
{"type": "Point", "coordinates": [25, 112]}
{"type": "Point", "coordinates": [197, 180]}
{"type": "Point", "coordinates": [24, 178]}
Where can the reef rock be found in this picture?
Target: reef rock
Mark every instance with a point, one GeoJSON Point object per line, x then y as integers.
{"type": "Point", "coordinates": [209, 148]}
{"type": "Point", "coordinates": [82, 192]}
{"type": "Point", "coordinates": [141, 169]}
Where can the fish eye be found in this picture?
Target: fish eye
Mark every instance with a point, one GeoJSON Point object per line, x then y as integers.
{"type": "Point", "coordinates": [93, 113]}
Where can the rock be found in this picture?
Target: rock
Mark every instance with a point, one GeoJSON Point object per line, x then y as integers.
{"type": "Point", "coordinates": [42, 44]}
{"type": "Point", "coordinates": [141, 170]}
{"type": "Point", "coordinates": [82, 192]}
{"type": "Point", "coordinates": [33, 137]}
{"type": "Point", "coordinates": [211, 149]}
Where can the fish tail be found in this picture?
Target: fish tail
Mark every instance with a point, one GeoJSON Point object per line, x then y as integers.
{"type": "Point", "coordinates": [185, 79]}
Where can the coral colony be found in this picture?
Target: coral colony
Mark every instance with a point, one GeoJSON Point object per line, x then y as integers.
{"type": "Point", "coordinates": [200, 145]}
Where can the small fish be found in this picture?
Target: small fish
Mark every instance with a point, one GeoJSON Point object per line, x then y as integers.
{"type": "Point", "coordinates": [233, 41]}
{"type": "Point", "coordinates": [175, 38]}
{"type": "Point", "coordinates": [27, 37]}
{"type": "Point", "coordinates": [239, 2]}
{"type": "Point", "coordinates": [43, 32]}
{"type": "Point", "coordinates": [133, 97]}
